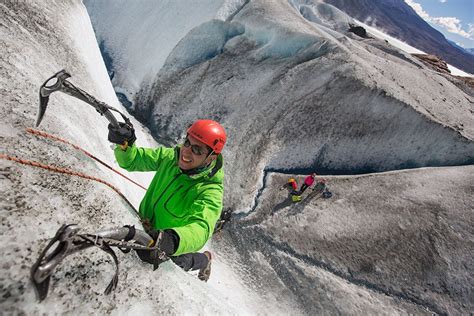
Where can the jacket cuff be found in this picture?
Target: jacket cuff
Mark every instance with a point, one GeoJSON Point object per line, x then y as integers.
{"type": "Point", "coordinates": [125, 157]}
{"type": "Point", "coordinates": [169, 242]}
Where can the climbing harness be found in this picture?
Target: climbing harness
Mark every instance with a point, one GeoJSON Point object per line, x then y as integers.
{"type": "Point", "coordinates": [69, 241]}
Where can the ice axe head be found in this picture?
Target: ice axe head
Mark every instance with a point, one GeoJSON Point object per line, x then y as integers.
{"type": "Point", "coordinates": [51, 256]}
{"type": "Point", "coordinates": [54, 83]}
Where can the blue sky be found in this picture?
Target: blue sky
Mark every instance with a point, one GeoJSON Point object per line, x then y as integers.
{"type": "Point", "coordinates": [453, 18]}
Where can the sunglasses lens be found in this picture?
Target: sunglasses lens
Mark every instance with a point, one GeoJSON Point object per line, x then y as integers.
{"type": "Point", "coordinates": [194, 148]}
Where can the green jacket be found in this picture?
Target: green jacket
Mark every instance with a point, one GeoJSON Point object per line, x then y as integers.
{"type": "Point", "coordinates": [188, 204]}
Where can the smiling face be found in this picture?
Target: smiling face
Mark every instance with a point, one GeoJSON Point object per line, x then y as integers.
{"type": "Point", "coordinates": [193, 154]}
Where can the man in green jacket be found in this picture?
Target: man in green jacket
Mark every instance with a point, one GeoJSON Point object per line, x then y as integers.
{"type": "Point", "coordinates": [184, 199]}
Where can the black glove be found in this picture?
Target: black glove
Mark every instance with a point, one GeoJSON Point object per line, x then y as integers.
{"type": "Point", "coordinates": [168, 244]}
{"type": "Point", "coordinates": [123, 133]}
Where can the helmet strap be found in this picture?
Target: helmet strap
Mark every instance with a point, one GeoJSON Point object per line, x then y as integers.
{"type": "Point", "coordinates": [207, 165]}
{"type": "Point", "coordinates": [209, 154]}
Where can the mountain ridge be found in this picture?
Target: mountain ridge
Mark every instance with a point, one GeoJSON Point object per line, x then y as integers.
{"type": "Point", "coordinates": [399, 20]}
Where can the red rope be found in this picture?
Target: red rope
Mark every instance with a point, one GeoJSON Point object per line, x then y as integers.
{"type": "Point", "coordinates": [46, 135]}
{"type": "Point", "coordinates": [66, 171]}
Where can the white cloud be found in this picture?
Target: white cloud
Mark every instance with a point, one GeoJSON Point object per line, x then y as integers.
{"type": "Point", "coordinates": [443, 1]}
{"type": "Point", "coordinates": [471, 29]}
{"type": "Point", "coordinates": [418, 9]}
{"type": "Point", "coordinates": [450, 24]}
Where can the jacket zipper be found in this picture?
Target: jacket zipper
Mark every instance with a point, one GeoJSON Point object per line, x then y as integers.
{"type": "Point", "coordinates": [161, 195]}
{"type": "Point", "coordinates": [185, 193]}
{"type": "Point", "coordinates": [171, 195]}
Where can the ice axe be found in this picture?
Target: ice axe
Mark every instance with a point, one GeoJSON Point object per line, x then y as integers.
{"type": "Point", "coordinates": [58, 82]}
{"type": "Point", "coordinates": [68, 241]}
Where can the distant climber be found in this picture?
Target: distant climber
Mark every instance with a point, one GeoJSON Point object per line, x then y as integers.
{"type": "Point", "coordinates": [308, 181]}
{"type": "Point", "coordinates": [184, 200]}
{"type": "Point", "coordinates": [292, 184]}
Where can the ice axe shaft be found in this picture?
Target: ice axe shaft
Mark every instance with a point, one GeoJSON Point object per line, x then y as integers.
{"type": "Point", "coordinates": [58, 82]}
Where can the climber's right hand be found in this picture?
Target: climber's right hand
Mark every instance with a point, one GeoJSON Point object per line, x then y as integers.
{"type": "Point", "coordinates": [123, 135]}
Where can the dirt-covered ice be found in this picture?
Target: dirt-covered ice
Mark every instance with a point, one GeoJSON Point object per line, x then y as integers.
{"type": "Point", "coordinates": [295, 92]}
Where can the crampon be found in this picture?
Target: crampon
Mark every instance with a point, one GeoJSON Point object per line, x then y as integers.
{"type": "Point", "coordinates": [68, 241]}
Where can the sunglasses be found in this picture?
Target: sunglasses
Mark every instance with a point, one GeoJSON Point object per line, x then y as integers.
{"type": "Point", "coordinates": [196, 149]}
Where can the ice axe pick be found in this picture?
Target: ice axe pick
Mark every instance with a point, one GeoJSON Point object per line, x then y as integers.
{"type": "Point", "coordinates": [58, 82]}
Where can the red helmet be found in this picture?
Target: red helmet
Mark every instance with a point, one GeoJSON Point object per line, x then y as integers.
{"type": "Point", "coordinates": [210, 133]}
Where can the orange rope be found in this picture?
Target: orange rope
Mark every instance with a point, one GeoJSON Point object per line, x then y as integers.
{"type": "Point", "coordinates": [46, 135]}
{"type": "Point", "coordinates": [66, 171]}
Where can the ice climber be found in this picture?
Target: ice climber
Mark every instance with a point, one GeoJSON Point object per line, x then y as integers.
{"type": "Point", "coordinates": [292, 184]}
{"type": "Point", "coordinates": [308, 181]}
{"type": "Point", "coordinates": [184, 199]}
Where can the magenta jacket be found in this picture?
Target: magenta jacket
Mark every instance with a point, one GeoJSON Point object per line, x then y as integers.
{"type": "Point", "coordinates": [309, 180]}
